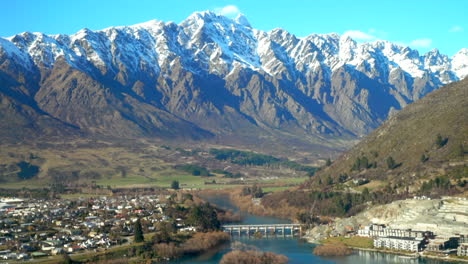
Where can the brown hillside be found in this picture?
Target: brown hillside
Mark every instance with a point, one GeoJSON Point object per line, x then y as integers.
{"type": "Point", "coordinates": [406, 137]}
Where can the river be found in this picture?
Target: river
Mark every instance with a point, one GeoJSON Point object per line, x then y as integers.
{"type": "Point", "coordinates": [298, 251]}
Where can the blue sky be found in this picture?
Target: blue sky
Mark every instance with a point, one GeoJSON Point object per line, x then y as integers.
{"type": "Point", "coordinates": [423, 25]}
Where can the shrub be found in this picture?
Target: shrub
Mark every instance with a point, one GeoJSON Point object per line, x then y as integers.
{"type": "Point", "coordinates": [203, 241]}
{"type": "Point", "coordinates": [253, 257]}
{"type": "Point", "coordinates": [332, 250]}
{"type": "Point", "coordinates": [167, 251]}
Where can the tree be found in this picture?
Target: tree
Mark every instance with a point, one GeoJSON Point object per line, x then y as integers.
{"type": "Point", "coordinates": [365, 192]}
{"type": "Point", "coordinates": [255, 191]}
{"type": "Point", "coordinates": [440, 141]}
{"type": "Point", "coordinates": [138, 232]}
{"type": "Point", "coordinates": [175, 185]}
{"type": "Point", "coordinates": [27, 170]}
{"type": "Point", "coordinates": [460, 151]}
{"type": "Point", "coordinates": [66, 259]}
{"type": "Point", "coordinates": [164, 232]}
{"type": "Point", "coordinates": [364, 163]}
{"type": "Point", "coordinates": [343, 177]}
{"type": "Point", "coordinates": [361, 163]}
{"type": "Point", "coordinates": [391, 163]}
{"type": "Point", "coordinates": [424, 158]}
{"type": "Point", "coordinates": [329, 180]}
{"type": "Point", "coordinates": [187, 196]}
{"type": "Point", "coordinates": [204, 217]}
{"type": "Point", "coordinates": [328, 162]}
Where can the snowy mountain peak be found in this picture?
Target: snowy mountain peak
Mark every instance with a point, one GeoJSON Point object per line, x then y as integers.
{"type": "Point", "coordinates": [217, 41]}
{"type": "Point", "coordinates": [460, 63]}
{"type": "Point", "coordinates": [150, 24]}
{"type": "Point", "coordinates": [463, 51]}
{"type": "Point", "coordinates": [242, 20]}
{"type": "Point", "coordinates": [202, 16]}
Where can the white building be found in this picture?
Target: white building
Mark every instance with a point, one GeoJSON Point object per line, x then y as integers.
{"type": "Point", "coordinates": [399, 243]}
{"type": "Point", "coordinates": [375, 230]}
{"type": "Point", "coordinates": [462, 250]}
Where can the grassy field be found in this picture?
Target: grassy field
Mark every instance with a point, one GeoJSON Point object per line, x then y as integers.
{"type": "Point", "coordinates": [37, 183]}
{"type": "Point", "coordinates": [275, 189]}
{"type": "Point", "coordinates": [374, 184]}
{"type": "Point", "coordinates": [358, 242]}
{"type": "Point", "coordinates": [127, 166]}
{"type": "Point", "coordinates": [78, 195]}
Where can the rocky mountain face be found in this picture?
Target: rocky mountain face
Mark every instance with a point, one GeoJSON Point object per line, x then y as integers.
{"type": "Point", "coordinates": [447, 214]}
{"type": "Point", "coordinates": [211, 76]}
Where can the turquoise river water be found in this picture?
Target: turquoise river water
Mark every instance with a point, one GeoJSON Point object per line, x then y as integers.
{"type": "Point", "coordinates": [298, 251]}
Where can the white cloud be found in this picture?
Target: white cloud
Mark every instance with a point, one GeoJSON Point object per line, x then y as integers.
{"type": "Point", "coordinates": [421, 43]}
{"type": "Point", "coordinates": [456, 29]}
{"type": "Point", "coordinates": [229, 11]}
{"type": "Point", "coordinates": [359, 35]}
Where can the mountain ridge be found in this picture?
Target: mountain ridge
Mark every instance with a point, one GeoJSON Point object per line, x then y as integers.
{"type": "Point", "coordinates": [212, 76]}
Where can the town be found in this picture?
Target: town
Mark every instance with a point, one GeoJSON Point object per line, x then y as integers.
{"type": "Point", "coordinates": [40, 228]}
{"type": "Point", "coordinates": [35, 228]}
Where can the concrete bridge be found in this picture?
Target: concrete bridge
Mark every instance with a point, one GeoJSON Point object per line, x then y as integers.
{"type": "Point", "coordinates": [265, 229]}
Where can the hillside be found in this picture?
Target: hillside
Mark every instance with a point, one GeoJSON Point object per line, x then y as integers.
{"type": "Point", "coordinates": [211, 78]}
{"type": "Point", "coordinates": [426, 139]}
{"type": "Point", "coordinates": [427, 142]}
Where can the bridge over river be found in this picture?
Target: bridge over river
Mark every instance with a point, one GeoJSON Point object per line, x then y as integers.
{"type": "Point", "coordinates": [265, 229]}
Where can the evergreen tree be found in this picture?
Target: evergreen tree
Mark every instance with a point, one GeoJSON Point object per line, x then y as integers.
{"type": "Point", "coordinates": [440, 141]}
{"type": "Point", "coordinates": [328, 162]}
{"type": "Point", "coordinates": [424, 158]}
{"type": "Point", "coordinates": [364, 163]}
{"type": "Point", "coordinates": [361, 163]}
{"type": "Point", "coordinates": [175, 185]}
{"type": "Point", "coordinates": [138, 232]}
{"type": "Point", "coordinates": [66, 259]}
{"type": "Point", "coordinates": [460, 151]}
{"type": "Point", "coordinates": [365, 192]}
{"type": "Point", "coordinates": [391, 162]}
{"type": "Point", "coordinates": [343, 177]}
{"type": "Point", "coordinates": [204, 217]}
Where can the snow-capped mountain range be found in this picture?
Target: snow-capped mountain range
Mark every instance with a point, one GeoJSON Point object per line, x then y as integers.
{"type": "Point", "coordinates": [215, 76]}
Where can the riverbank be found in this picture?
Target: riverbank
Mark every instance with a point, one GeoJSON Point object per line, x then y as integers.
{"type": "Point", "coordinates": [413, 254]}
{"type": "Point", "coordinates": [366, 244]}
{"type": "Point", "coordinates": [246, 203]}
